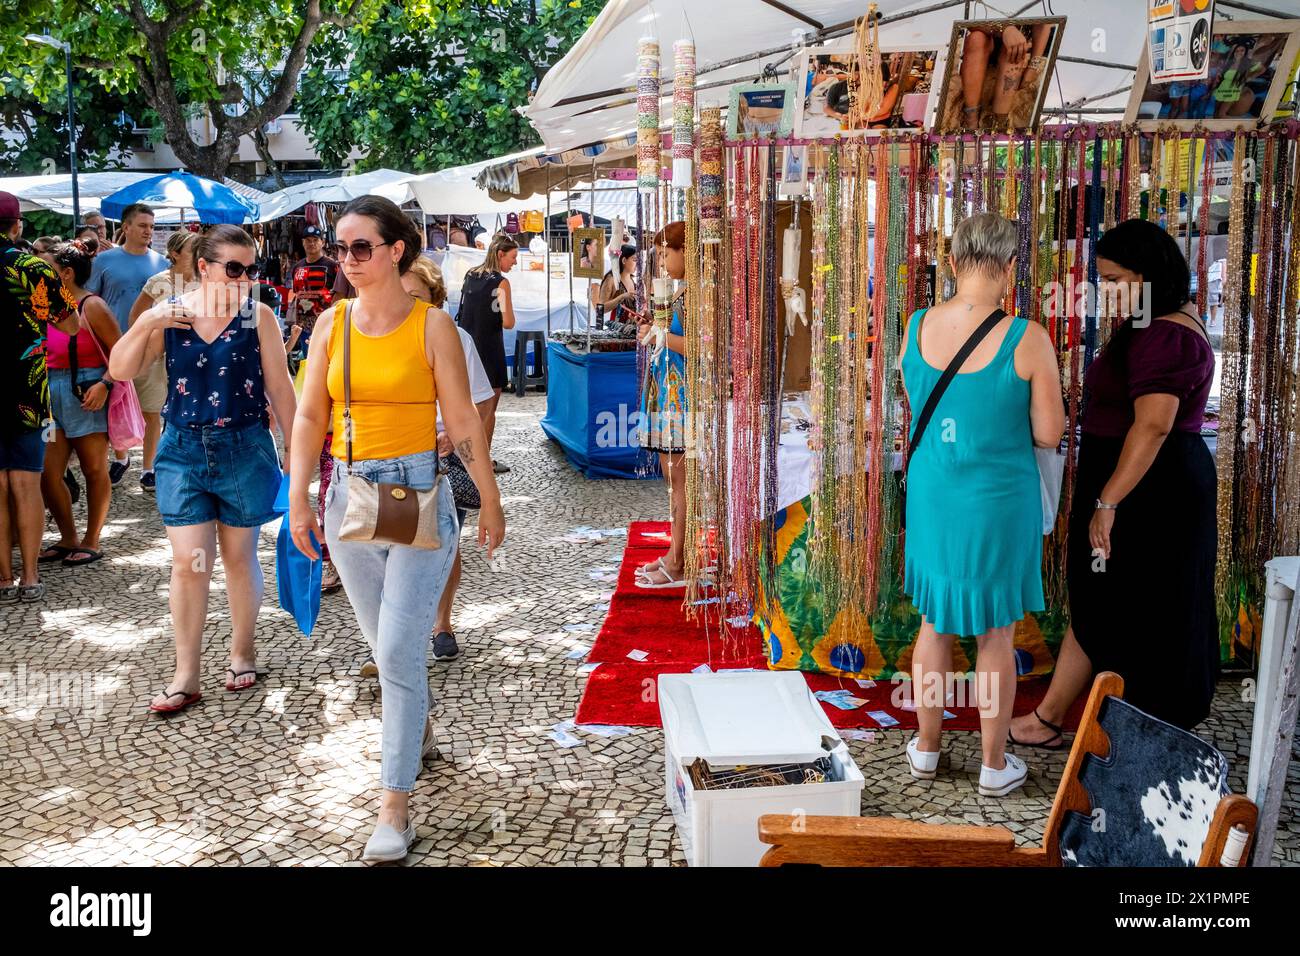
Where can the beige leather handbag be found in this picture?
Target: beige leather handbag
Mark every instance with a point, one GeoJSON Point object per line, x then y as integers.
{"type": "Point", "coordinates": [378, 512]}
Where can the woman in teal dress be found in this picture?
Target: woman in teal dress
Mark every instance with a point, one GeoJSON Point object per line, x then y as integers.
{"type": "Point", "coordinates": [663, 414]}
{"type": "Point", "coordinates": [973, 545]}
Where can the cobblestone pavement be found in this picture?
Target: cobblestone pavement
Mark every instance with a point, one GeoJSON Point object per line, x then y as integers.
{"type": "Point", "coordinates": [288, 773]}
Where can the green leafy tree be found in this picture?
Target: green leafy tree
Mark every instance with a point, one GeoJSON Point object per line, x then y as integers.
{"type": "Point", "coordinates": [39, 143]}
{"type": "Point", "coordinates": [235, 62]}
{"type": "Point", "coordinates": [429, 85]}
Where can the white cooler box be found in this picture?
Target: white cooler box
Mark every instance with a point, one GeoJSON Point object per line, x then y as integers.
{"type": "Point", "coordinates": [747, 719]}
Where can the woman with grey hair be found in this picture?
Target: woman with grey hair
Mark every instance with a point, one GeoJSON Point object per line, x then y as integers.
{"type": "Point", "coordinates": [973, 548]}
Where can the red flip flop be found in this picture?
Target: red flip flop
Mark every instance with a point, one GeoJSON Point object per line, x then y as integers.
{"type": "Point", "coordinates": [187, 700]}
{"type": "Point", "coordinates": [234, 685]}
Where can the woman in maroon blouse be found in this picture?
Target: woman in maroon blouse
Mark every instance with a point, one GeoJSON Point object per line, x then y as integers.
{"type": "Point", "coordinates": [1143, 538]}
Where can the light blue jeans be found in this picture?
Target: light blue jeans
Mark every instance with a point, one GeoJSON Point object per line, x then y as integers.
{"type": "Point", "coordinates": [394, 590]}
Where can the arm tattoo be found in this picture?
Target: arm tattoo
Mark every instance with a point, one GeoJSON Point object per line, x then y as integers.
{"type": "Point", "coordinates": [465, 451]}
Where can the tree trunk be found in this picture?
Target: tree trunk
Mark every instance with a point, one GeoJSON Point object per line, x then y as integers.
{"type": "Point", "coordinates": [213, 161]}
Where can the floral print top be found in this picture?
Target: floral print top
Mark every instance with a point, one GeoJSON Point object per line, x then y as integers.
{"type": "Point", "coordinates": [217, 383]}
{"type": "Point", "coordinates": [31, 296]}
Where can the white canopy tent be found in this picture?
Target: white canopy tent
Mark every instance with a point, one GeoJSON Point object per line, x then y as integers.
{"type": "Point", "coordinates": [389, 183]}
{"type": "Point", "coordinates": [590, 94]}
{"type": "Point", "coordinates": [53, 193]}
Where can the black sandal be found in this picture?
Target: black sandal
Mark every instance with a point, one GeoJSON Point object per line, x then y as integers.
{"type": "Point", "coordinates": [1058, 735]}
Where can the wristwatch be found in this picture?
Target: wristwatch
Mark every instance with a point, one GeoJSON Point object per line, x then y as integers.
{"type": "Point", "coordinates": [1102, 506]}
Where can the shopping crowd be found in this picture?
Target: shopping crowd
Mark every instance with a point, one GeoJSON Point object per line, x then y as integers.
{"type": "Point", "coordinates": [371, 385]}
{"type": "Point", "coordinates": [114, 346]}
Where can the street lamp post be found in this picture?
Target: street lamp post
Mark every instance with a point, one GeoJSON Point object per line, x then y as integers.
{"type": "Point", "coordinates": [50, 41]}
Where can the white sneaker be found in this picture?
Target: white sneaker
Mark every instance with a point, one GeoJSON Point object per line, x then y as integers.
{"type": "Point", "coordinates": [427, 745]}
{"type": "Point", "coordinates": [388, 844]}
{"type": "Point", "coordinates": [922, 763]}
{"type": "Point", "coordinates": [998, 783]}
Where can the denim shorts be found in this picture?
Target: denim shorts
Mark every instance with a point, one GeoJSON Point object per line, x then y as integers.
{"type": "Point", "coordinates": [74, 420]}
{"type": "Point", "coordinates": [23, 451]}
{"type": "Point", "coordinates": [209, 473]}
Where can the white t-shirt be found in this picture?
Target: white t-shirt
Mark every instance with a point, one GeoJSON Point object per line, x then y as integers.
{"type": "Point", "coordinates": [480, 389]}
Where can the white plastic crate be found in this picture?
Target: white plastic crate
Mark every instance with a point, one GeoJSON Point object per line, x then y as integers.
{"type": "Point", "coordinates": [746, 719]}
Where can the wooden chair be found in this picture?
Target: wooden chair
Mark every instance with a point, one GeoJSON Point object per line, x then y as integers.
{"type": "Point", "coordinates": [1161, 800]}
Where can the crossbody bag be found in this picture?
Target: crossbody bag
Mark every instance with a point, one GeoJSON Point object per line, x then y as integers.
{"type": "Point", "coordinates": [380, 512]}
{"type": "Point", "coordinates": [936, 393]}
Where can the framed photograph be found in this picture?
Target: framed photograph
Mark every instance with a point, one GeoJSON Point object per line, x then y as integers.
{"type": "Point", "coordinates": [997, 74]}
{"type": "Point", "coordinates": [794, 172]}
{"type": "Point", "coordinates": [589, 253]}
{"type": "Point", "coordinates": [827, 81]}
{"type": "Point", "coordinates": [760, 111]}
{"type": "Point", "coordinates": [1251, 64]}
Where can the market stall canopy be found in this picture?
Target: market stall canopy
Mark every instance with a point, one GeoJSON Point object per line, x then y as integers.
{"type": "Point", "coordinates": [389, 183]}
{"type": "Point", "coordinates": [590, 95]}
{"type": "Point", "coordinates": [456, 190]}
{"type": "Point", "coordinates": [533, 173]}
{"type": "Point", "coordinates": [211, 201]}
{"type": "Point", "coordinates": [53, 193]}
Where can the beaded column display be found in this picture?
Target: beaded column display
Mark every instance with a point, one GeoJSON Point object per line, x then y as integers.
{"type": "Point", "coordinates": [770, 398]}
{"type": "Point", "coordinates": [1133, 177]}
{"type": "Point", "coordinates": [647, 116]}
{"type": "Point", "coordinates": [947, 180]}
{"type": "Point", "coordinates": [698, 550]}
{"type": "Point", "coordinates": [1155, 180]}
{"type": "Point", "coordinates": [683, 113]}
{"type": "Point", "coordinates": [1288, 480]}
{"type": "Point", "coordinates": [1174, 184]}
{"type": "Point", "coordinates": [1232, 405]}
{"type": "Point", "coordinates": [862, 549]}
{"type": "Point", "coordinates": [880, 448]}
{"type": "Point", "coordinates": [1024, 219]}
{"type": "Point", "coordinates": [1094, 233]}
{"type": "Point", "coordinates": [823, 554]}
{"type": "Point", "coordinates": [746, 449]}
{"type": "Point", "coordinates": [711, 181]}
{"type": "Point", "coordinates": [887, 348]}
{"type": "Point", "coordinates": [1203, 228]}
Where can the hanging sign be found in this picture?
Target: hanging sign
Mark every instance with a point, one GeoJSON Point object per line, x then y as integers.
{"type": "Point", "coordinates": [1178, 39]}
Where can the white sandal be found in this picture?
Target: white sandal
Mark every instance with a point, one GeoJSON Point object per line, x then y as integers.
{"type": "Point", "coordinates": [646, 570]}
{"type": "Point", "coordinates": [646, 585]}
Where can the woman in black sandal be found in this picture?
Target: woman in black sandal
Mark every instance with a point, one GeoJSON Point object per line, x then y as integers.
{"type": "Point", "coordinates": [1140, 566]}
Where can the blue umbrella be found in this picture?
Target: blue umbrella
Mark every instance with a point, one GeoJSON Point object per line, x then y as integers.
{"type": "Point", "coordinates": [213, 202]}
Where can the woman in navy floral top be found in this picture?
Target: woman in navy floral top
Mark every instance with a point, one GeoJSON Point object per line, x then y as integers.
{"type": "Point", "coordinates": [217, 469]}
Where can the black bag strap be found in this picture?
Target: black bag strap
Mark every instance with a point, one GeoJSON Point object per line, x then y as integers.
{"type": "Point", "coordinates": [949, 373]}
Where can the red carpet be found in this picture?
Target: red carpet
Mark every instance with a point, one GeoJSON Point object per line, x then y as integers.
{"type": "Point", "coordinates": [621, 689]}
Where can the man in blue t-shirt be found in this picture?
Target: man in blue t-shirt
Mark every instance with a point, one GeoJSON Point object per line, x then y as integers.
{"type": "Point", "coordinates": [118, 274]}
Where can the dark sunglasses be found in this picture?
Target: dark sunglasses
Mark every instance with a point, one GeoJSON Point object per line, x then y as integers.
{"type": "Point", "coordinates": [236, 269]}
{"type": "Point", "coordinates": [361, 250]}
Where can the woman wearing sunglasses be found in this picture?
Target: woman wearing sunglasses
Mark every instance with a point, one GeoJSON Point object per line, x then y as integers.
{"type": "Point", "coordinates": [405, 365]}
{"type": "Point", "coordinates": [216, 468]}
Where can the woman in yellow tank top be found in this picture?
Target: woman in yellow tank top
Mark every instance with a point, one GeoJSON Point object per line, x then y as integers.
{"type": "Point", "coordinates": [405, 360]}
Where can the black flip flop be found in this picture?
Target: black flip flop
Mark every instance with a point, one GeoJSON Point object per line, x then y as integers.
{"type": "Point", "coordinates": [1058, 735]}
{"type": "Point", "coordinates": [60, 552]}
{"type": "Point", "coordinates": [94, 556]}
